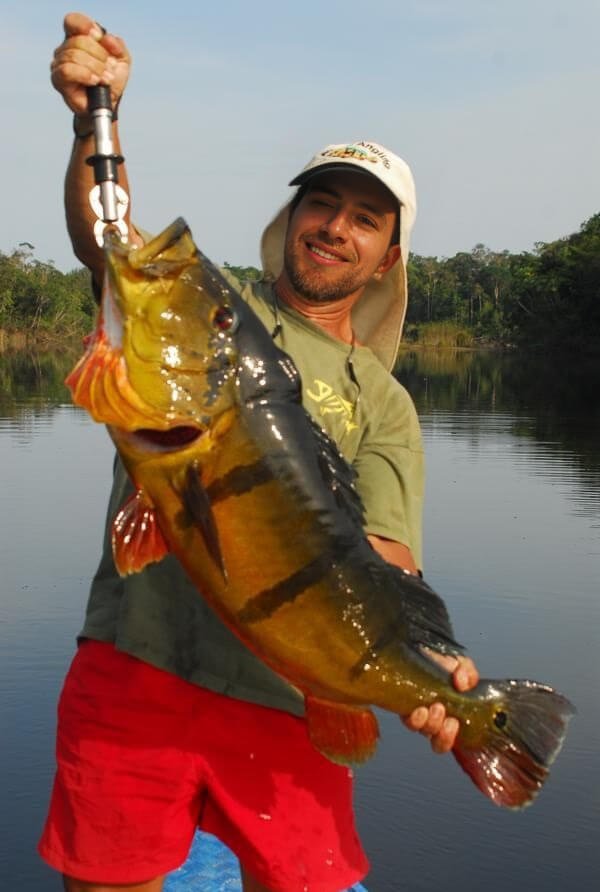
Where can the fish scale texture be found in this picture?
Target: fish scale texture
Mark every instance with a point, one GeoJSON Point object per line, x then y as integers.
{"type": "Point", "coordinates": [212, 867]}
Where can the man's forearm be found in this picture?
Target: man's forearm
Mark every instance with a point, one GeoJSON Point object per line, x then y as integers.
{"type": "Point", "coordinates": [394, 553]}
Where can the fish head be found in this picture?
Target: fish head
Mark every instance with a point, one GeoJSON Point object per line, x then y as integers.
{"type": "Point", "coordinates": [163, 355]}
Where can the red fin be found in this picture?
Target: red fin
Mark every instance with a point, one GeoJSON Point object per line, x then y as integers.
{"type": "Point", "coordinates": [82, 380]}
{"type": "Point", "coordinates": [510, 756]}
{"type": "Point", "coordinates": [136, 536]}
{"type": "Point", "coordinates": [345, 734]}
{"type": "Point", "coordinates": [100, 384]}
{"type": "Point", "coordinates": [504, 772]}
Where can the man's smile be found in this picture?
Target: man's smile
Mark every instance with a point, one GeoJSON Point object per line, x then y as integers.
{"type": "Point", "coordinates": [324, 254]}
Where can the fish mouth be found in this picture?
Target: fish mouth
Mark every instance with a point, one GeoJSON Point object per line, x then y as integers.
{"type": "Point", "coordinates": [171, 440]}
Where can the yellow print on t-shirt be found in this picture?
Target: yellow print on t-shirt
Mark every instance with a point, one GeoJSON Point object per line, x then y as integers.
{"type": "Point", "coordinates": [331, 403]}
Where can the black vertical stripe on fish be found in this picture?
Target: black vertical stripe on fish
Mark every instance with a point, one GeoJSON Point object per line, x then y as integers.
{"type": "Point", "coordinates": [198, 508]}
{"type": "Point", "coordinates": [239, 480]}
{"type": "Point", "coordinates": [267, 602]}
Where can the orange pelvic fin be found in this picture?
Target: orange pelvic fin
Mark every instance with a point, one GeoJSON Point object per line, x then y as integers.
{"type": "Point", "coordinates": [345, 734]}
{"type": "Point", "coordinates": [137, 539]}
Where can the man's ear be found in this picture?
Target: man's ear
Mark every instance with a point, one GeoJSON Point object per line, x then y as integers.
{"type": "Point", "coordinates": [392, 255]}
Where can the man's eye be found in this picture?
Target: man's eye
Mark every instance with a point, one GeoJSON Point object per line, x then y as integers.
{"type": "Point", "coordinates": [367, 221]}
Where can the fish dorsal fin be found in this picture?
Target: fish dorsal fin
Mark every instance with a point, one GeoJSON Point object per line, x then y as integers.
{"type": "Point", "coordinates": [137, 539]}
{"type": "Point", "coordinates": [338, 475]}
{"type": "Point", "coordinates": [417, 614]}
{"type": "Point", "coordinates": [198, 507]}
{"type": "Point", "coordinates": [345, 734]}
{"type": "Point", "coordinates": [428, 622]}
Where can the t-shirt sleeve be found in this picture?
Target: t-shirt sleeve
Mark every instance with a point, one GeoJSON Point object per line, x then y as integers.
{"type": "Point", "coordinates": [390, 468]}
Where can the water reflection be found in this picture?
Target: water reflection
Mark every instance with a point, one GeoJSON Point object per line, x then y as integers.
{"type": "Point", "coordinates": [477, 393]}
{"type": "Point", "coordinates": [35, 378]}
{"type": "Point", "coordinates": [485, 396]}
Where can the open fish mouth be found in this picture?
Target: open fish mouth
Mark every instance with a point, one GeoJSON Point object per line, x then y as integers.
{"type": "Point", "coordinates": [170, 440]}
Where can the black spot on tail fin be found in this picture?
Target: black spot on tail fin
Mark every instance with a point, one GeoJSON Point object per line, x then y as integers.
{"type": "Point", "coordinates": [526, 731]}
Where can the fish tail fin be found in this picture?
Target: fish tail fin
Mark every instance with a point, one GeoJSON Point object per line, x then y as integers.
{"type": "Point", "coordinates": [524, 731]}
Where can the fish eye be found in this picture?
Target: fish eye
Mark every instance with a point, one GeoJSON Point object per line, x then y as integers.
{"type": "Point", "coordinates": [500, 718]}
{"type": "Point", "coordinates": [225, 319]}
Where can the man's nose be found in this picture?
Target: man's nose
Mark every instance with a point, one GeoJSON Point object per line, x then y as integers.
{"type": "Point", "coordinates": [336, 224]}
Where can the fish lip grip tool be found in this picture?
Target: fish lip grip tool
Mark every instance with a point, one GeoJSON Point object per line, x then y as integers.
{"type": "Point", "coordinates": [108, 200]}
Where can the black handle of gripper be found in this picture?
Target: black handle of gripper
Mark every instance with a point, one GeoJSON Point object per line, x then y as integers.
{"type": "Point", "coordinates": [98, 97]}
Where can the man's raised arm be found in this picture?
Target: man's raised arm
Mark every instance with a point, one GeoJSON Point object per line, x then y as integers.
{"type": "Point", "coordinates": [88, 56]}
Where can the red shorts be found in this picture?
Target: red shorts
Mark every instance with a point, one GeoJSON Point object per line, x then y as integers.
{"type": "Point", "coordinates": [144, 758]}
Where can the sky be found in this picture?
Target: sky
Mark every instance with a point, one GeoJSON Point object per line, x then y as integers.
{"type": "Point", "coordinates": [495, 106]}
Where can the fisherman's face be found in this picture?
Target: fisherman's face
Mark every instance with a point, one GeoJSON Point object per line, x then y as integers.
{"type": "Point", "coordinates": [338, 236]}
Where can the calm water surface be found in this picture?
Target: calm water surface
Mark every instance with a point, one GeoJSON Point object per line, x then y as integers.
{"type": "Point", "coordinates": [512, 533]}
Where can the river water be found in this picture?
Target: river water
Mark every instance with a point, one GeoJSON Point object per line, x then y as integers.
{"type": "Point", "coordinates": [512, 542]}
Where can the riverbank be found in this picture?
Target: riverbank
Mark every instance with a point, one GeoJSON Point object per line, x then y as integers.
{"type": "Point", "coordinates": [39, 340]}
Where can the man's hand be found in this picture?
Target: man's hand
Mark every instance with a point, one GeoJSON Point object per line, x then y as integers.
{"type": "Point", "coordinates": [432, 721]}
{"type": "Point", "coordinates": [88, 57]}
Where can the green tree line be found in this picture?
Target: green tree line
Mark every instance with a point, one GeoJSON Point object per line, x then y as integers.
{"type": "Point", "coordinates": [40, 300]}
{"type": "Point", "coordinates": [547, 298]}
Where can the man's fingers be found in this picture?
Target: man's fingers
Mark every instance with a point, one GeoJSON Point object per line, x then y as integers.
{"type": "Point", "coordinates": [444, 660]}
{"type": "Point", "coordinates": [443, 741]}
{"type": "Point", "coordinates": [115, 46]}
{"type": "Point", "coordinates": [435, 720]}
{"type": "Point", "coordinates": [417, 718]}
{"type": "Point", "coordinates": [427, 720]}
{"type": "Point", "coordinates": [465, 676]}
{"type": "Point", "coordinates": [78, 23]}
{"type": "Point", "coordinates": [70, 73]}
{"type": "Point", "coordinates": [84, 44]}
{"type": "Point", "coordinates": [79, 58]}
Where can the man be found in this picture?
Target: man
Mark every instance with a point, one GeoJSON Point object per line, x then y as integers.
{"type": "Point", "coordinates": [166, 721]}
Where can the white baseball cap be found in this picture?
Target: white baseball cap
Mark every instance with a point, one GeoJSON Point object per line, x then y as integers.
{"type": "Point", "coordinates": [378, 316]}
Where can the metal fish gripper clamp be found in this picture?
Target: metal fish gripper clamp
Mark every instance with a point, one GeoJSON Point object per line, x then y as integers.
{"type": "Point", "coordinates": [108, 200]}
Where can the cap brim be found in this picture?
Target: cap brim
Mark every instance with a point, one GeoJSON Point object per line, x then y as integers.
{"type": "Point", "coordinates": [307, 175]}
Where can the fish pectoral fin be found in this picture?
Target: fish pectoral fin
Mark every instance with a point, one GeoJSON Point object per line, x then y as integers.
{"type": "Point", "coordinates": [198, 506]}
{"type": "Point", "coordinates": [137, 539]}
{"type": "Point", "coordinates": [345, 734]}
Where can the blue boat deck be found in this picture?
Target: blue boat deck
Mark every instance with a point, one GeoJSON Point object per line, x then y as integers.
{"type": "Point", "coordinates": [212, 867]}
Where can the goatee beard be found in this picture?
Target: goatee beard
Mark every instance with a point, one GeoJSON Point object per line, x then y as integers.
{"type": "Point", "coordinates": [310, 286]}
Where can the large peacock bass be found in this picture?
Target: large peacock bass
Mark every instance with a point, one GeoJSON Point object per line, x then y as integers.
{"type": "Point", "coordinates": [234, 478]}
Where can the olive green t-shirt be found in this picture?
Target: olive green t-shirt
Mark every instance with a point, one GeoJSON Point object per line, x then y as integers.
{"type": "Point", "coordinates": [158, 616]}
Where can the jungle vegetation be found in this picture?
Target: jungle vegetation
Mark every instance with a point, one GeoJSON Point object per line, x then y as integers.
{"type": "Point", "coordinates": [547, 299]}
